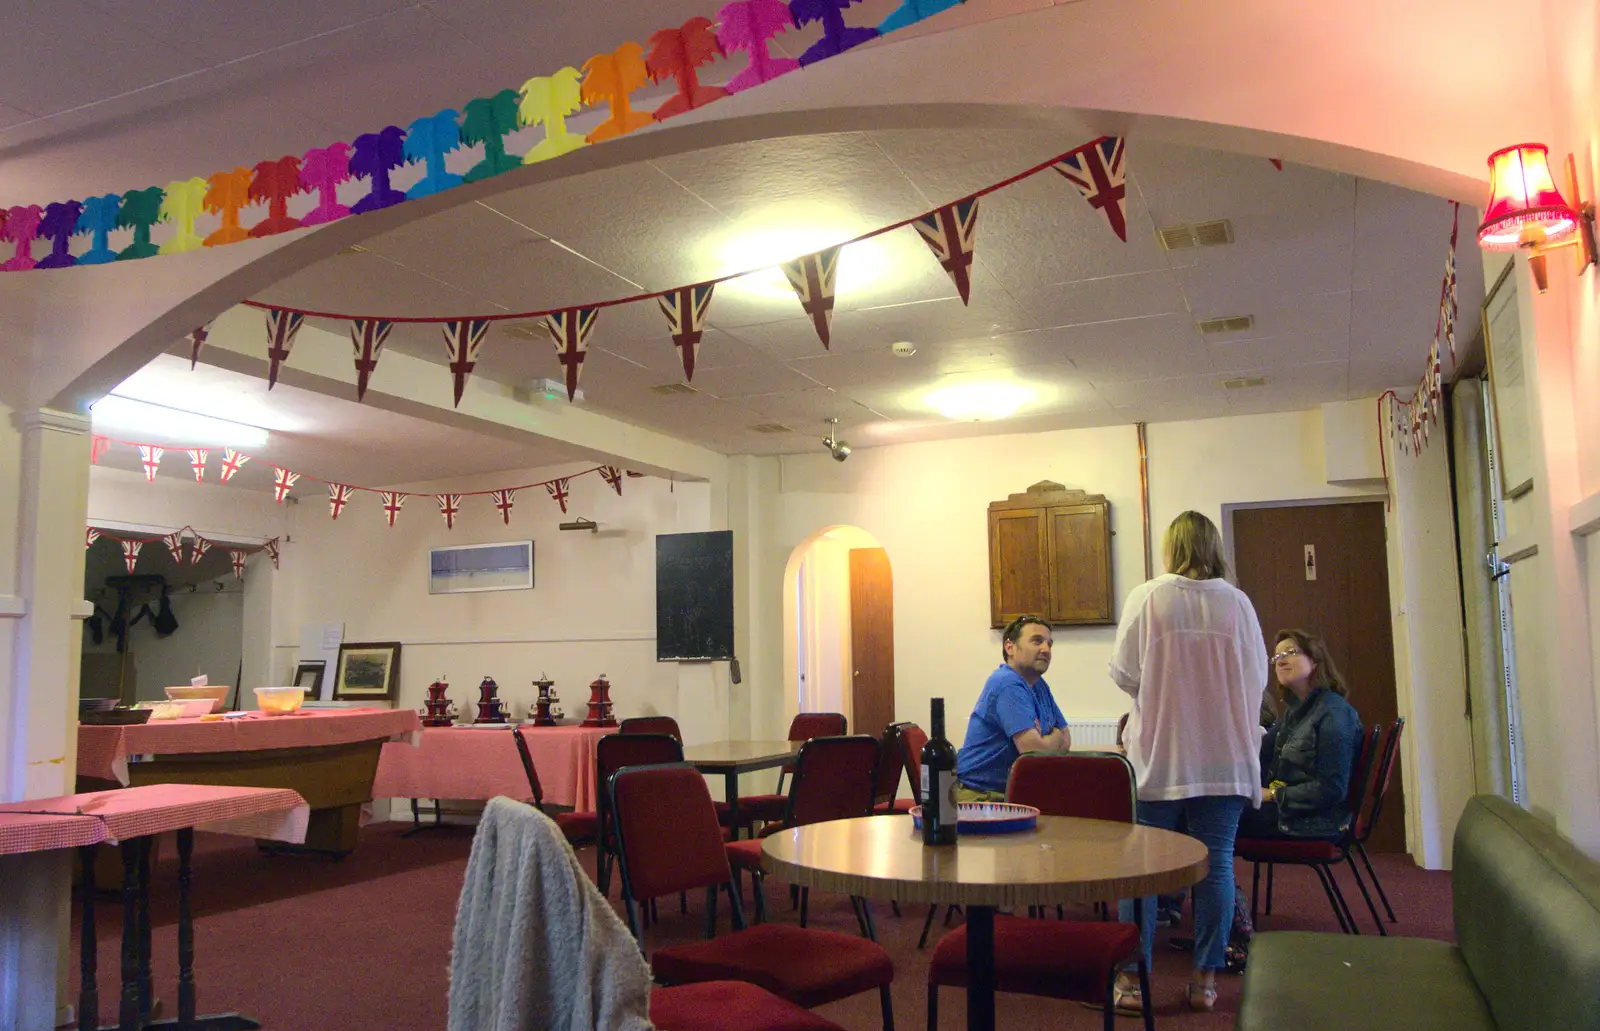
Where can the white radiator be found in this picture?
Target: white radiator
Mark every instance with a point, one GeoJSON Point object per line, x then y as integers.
{"type": "Point", "coordinates": [1093, 732]}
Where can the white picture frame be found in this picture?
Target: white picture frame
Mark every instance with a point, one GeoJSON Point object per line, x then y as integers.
{"type": "Point", "coordinates": [476, 568]}
{"type": "Point", "coordinates": [1508, 388]}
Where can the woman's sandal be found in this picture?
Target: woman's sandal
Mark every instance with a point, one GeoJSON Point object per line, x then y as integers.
{"type": "Point", "coordinates": [1127, 1001]}
{"type": "Point", "coordinates": [1202, 997]}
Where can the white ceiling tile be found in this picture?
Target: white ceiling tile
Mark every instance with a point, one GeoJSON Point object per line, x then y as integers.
{"type": "Point", "coordinates": [1188, 184]}
{"type": "Point", "coordinates": [797, 337]}
{"type": "Point", "coordinates": [1098, 300]}
{"type": "Point", "coordinates": [228, 30]}
{"type": "Point", "coordinates": [1293, 387]}
{"type": "Point", "coordinates": [1157, 347]}
{"type": "Point", "coordinates": [1271, 259]}
{"type": "Point", "coordinates": [1206, 390]}
{"type": "Point", "coordinates": [744, 381]}
{"type": "Point", "coordinates": [1263, 352]}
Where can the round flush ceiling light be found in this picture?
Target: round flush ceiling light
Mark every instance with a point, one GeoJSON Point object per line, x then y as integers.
{"type": "Point", "coordinates": [979, 402]}
{"type": "Point", "coordinates": [763, 240]}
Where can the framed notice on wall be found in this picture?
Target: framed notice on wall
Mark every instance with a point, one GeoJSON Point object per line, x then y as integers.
{"type": "Point", "coordinates": [1508, 388]}
{"type": "Point", "coordinates": [471, 568]}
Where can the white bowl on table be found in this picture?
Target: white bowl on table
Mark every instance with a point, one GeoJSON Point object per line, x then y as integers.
{"type": "Point", "coordinates": [279, 701]}
{"type": "Point", "coordinates": [178, 710]}
{"type": "Point", "coordinates": [216, 694]}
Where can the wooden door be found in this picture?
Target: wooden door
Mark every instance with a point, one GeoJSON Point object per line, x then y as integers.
{"type": "Point", "coordinates": [1018, 561]}
{"type": "Point", "coordinates": [1346, 604]}
{"type": "Point", "coordinates": [871, 641]}
{"type": "Point", "coordinates": [1080, 564]}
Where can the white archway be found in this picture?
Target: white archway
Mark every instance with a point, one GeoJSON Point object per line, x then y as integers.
{"type": "Point", "coordinates": [817, 660]}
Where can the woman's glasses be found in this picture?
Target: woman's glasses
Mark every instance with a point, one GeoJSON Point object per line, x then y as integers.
{"type": "Point", "coordinates": [1287, 653]}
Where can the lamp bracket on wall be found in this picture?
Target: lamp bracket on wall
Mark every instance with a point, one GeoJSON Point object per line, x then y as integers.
{"type": "Point", "coordinates": [581, 524]}
{"type": "Point", "coordinates": [1583, 239]}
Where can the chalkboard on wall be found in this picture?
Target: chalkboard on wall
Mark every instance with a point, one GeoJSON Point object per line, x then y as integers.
{"type": "Point", "coordinates": [694, 596]}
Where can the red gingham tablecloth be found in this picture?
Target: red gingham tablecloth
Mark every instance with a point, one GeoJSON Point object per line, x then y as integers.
{"type": "Point", "coordinates": [465, 763]}
{"type": "Point", "coordinates": [23, 833]}
{"type": "Point", "coordinates": [275, 813]}
{"type": "Point", "coordinates": [103, 751]}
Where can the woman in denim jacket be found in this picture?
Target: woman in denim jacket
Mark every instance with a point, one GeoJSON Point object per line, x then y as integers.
{"type": "Point", "coordinates": [1308, 754]}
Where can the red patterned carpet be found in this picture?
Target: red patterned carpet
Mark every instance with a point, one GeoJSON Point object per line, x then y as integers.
{"type": "Point", "coordinates": [363, 945]}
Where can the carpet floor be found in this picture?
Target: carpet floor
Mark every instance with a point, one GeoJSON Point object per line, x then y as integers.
{"type": "Point", "coordinates": [363, 945]}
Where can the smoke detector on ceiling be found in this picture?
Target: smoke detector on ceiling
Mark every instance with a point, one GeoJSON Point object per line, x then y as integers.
{"type": "Point", "coordinates": [903, 348]}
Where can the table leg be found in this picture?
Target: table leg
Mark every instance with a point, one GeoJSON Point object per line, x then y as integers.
{"type": "Point", "coordinates": [146, 987]}
{"type": "Point", "coordinates": [128, 1008]}
{"type": "Point", "coordinates": [980, 968]}
{"type": "Point", "coordinates": [88, 971]}
{"type": "Point", "coordinates": [185, 930]}
{"type": "Point", "coordinates": [730, 794]}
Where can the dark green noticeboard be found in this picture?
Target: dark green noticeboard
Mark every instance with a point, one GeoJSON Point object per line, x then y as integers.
{"type": "Point", "coordinates": [694, 596]}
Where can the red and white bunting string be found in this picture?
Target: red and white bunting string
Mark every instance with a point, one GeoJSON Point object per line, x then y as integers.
{"type": "Point", "coordinates": [97, 447]}
{"type": "Point", "coordinates": [613, 476]}
{"type": "Point", "coordinates": [813, 279]}
{"type": "Point", "coordinates": [449, 507]}
{"type": "Point", "coordinates": [367, 337]}
{"type": "Point", "coordinates": [271, 548]}
{"type": "Point", "coordinates": [197, 460]}
{"type": "Point", "coordinates": [236, 559]}
{"type": "Point", "coordinates": [558, 490]}
{"type": "Point", "coordinates": [462, 338]}
{"type": "Point", "coordinates": [282, 325]}
{"type": "Point", "coordinates": [1100, 174]}
{"type": "Point", "coordinates": [570, 329]}
{"type": "Point", "coordinates": [198, 549]}
{"type": "Point", "coordinates": [150, 457]}
{"type": "Point", "coordinates": [951, 234]}
{"type": "Point", "coordinates": [90, 537]}
{"type": "Point", "coordinates": [282, 482]}
{"type": "Point", "coordinates": [174, 543]}
{"type": "Point", "coordinates": [130, 553]}
{"type": "Point", "coordinates": [393, 501]}
{"type": "Point", "coordinates": [197, 340]}
{"type": "Point", "coordinates": [338, 497]}
{"type": "Point", "coordinates": [503, 500]}
{"type": "Point", "coordinates": [686, 310]}
{"type": "Point", "coordinates": [231, 462]}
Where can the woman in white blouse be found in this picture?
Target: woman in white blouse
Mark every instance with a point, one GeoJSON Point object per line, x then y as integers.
{"type": "Point", "coordinates": [1191, 653]}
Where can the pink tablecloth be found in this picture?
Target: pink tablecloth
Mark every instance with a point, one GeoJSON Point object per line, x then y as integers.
{"type": "Point", "coordinates": [276, 813]}
{"type": "Point", "coordinates": [458, 762]}
{"type": "Point", "coordinates": [20, 832]}
{"type": "Point", "coordinates": [103, 751]}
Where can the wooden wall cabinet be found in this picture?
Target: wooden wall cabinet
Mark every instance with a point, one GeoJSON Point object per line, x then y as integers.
{"type": "Point", "coordinates": [1050, 556]}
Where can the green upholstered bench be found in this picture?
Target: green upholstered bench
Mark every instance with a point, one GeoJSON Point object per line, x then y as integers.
{"type": "Point", "coordinates": [1527, 915]}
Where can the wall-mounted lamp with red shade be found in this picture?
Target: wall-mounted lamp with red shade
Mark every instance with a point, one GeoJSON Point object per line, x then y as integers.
{"type": "Point", "coordinates": [1526, 210]}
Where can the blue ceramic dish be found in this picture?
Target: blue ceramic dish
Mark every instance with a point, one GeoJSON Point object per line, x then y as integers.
{"type": "Point", "coordinates": [988, 817]}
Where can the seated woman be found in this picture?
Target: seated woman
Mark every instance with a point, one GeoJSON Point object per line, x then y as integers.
{"type": "Point", "coordinates": [1312, 747]}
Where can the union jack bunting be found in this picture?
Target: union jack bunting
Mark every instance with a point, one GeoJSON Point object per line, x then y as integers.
{"type": "Point", "coordinates": [197, 340]}
{"type": "Point", "coordinates": [231, 461]}
{"type": "Point", "coordinates": [151, 457]}
{"type": "Point", "coordinates": [1276, 163]}
{"type": "Point", "coordinates": [90, 537]}
{"type": "Point", "coordinates": [503, 500]}
{"type": "Point", "coordinates": [685, 309]}
{"type": "Point", "coordinates": [282, 483]}
{"type": "Point", "coordinates": [198, 549]}
{"type": "Point", "coordinates": [367, 337]}
{"type": "Point", "coordinates": [271, 548]}
{"type": "Point", "coordinates": [393, 501]}
{"type": "Point", "coordinates": [197, 459]}
{"type": "Point", "coordinates": [558, 490]}
{"type": "Point", "coordinates": [951, 233]}
{"type": "Point", "coordinates": [1435, 380]}
{"type": "Point", "coordinates": [174, 543]}
{"type": "Point", "coordinates": [1448, 307]}
{"type": "Point", "coordinates": [130, 553]}
{"type": "Point", "coordinates": [97, 447]}
{"type": "Point", "coordinates": [449, 507]}
{"type": "Point", "coordinates": [237, 559]}
{"type": "Point", "coordinates": [462, 338]}
{"type": "Point", "coordinates": [1097, 170]}
{"type": "Point", "coordinates": [812, 278]}
{"type": "Point", "coordinates": [338, 497]}
{"type": "Point", "coordinates": [282, 325]}
{"type": "Point", "coordinates": [570, 329]}
{"type": "Point", "coordinates": [613, 477]}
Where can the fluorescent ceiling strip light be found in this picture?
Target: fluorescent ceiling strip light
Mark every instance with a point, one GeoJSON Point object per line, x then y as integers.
{"type": "Point", "coordinates": [114, 415]}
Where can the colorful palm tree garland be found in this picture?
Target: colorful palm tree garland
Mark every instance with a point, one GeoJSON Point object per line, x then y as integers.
{"type": "Point", "coordinates": [746, 26]}
{"type": "Point", "coordinates": [185, 538]}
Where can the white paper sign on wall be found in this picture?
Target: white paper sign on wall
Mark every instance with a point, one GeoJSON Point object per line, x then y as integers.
{"type": "Point", "coordinates": [1311, 561]}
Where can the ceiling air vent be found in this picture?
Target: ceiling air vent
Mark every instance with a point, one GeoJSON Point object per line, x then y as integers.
{"type": "Point", "coordinates": [1231, 324]}
{"type": "Point", "coordinates": [771, 427]}
{"type": "Point", "coordinates": [1245, 382]}
{"type": "Point", "coordinates": [1175, 238]}
{"type": "Point", "coordinates": [1213, 234]}
{"type": "Point", "coordinates": [668, 389]}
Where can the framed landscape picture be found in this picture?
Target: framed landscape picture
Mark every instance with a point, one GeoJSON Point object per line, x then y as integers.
{"type": "Point", "coordinates": [367, 672]}
{"type": "Point", "coordinates": [470, 568]}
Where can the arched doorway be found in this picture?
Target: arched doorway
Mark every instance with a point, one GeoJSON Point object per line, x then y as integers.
{"type": "Point", "coordinates": [838, 640]}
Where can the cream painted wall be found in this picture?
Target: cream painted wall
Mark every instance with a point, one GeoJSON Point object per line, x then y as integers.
{"type": "Point", "coordinates": [819, 572]}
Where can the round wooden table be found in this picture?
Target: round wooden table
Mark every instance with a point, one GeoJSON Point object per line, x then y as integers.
{"type": "Point", "coordinates": [1061, 860]}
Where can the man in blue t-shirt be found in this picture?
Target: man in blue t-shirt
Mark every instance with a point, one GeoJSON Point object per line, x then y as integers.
{"type": "Point", "coordinates": [1015, 714]}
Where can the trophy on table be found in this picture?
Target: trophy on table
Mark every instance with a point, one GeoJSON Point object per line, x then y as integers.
{"type": "Point", "coordinates": [440, 710]}
{"type": "Point", "coordinates": [490, 708]}
{"type": "Point", "coordinates": [546, 711]}
{"type": "Point", "coordinates": [600, 704]}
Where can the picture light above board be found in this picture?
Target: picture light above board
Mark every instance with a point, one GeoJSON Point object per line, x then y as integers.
{"type": "Point", "coordinates": [694, 596]}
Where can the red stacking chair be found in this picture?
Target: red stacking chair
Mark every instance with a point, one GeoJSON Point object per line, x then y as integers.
{"type": "Point", "coordinates": [669, 841]}
{"type": "Point", "coordinates": [1322, 856]}
{"type": "Point", "coordinates": [1377, 791]}
{"type": "Point", "coordinates": [578, 828]}
{"type": "Point", "coordinates": [912, 738]}
{"type": "Point", "coordinates": [891, 764]}
{"type": "Point", "coordinates": [651, 725]}
{"type": "Point", "coordinates": [612, 753]}
{"type": "Point", "coordinates": [1057, 959]}
{"type": "Point", "coordinates": [804, 727]}
{"type": "Point", "coordinates": [834, 779]}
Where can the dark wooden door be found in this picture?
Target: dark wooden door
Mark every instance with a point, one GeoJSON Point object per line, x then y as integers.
{"type": "Point", "coordinates": [1079, 547]}
{"type": "Point", "coordinates": [871, 641]}
{"type": "Point", "coordinates": [1018, 564]}
{"type": "Point", "coordinates": [1346, 604]}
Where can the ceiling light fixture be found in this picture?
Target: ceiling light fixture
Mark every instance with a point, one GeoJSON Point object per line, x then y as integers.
{"type": "Point", "coordinates": [979, 402]}
{"type": "Point", "coordinates": [762, 242]}
{"type": "Point", "coordinates": [836, 447]}
{"type": "Point", "coordinates": [114, 413]}
{"type": "Point", "coordinates": [1525, 210]}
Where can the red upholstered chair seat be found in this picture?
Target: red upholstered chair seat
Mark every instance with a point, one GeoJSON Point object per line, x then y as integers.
{"type": "Point", "coordinates": [729, 1006]}
{"type": "Point", "coordinates": [1059, 960]}
{"type": "Point", "coordinates": [898, 807]}
{"type": "Point", "coordinates": [744, 854]}
{"type": "Point", "coordinates": [1273, 850]}
{"type": "Point", "coordinates": [578, 826]}
{"type": "Point", "coordinates": [767, 808]}
{"type": "Point", "coordinates": [806, 966]}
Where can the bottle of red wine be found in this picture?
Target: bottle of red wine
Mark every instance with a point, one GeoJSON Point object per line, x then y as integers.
{"type": "Point", "coordinates": [938, 784]}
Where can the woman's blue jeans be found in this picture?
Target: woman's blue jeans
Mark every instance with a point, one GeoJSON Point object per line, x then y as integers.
{"type": "Point", "coordinates": [1214, 819]}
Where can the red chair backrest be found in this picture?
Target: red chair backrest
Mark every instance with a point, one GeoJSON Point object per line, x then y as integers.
{"type": "Point", "coordinates": [807, 725]}
{"type": "Point", "coordinates": [1379, 787]}
{"type": "Point", "coordinates": [619, 751]}
{"type": "Point", "coordinates": [912, 738]}
{"type": "Point", "coordinates": [528, 767]}
{"type": "Point", "coordinates": [890, 763]}
{"type": "Point", "coordinates": [651, 725]}
{"type": "Point", "coordinates": [668, 838]}
{"type": "Point", "coordinates": [1088, 785]}
{"type": "Point", "coordinates": [834, 779]}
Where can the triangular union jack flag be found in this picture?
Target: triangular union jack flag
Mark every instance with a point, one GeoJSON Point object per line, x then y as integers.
{"type": "Point", "coordinates": [338, 497]}
{"type": "Point", "coordinates": [558, 490]}
{"type": "Point", "coordinates": [462, 338]}
{"type": "Point", "coordinates": [271, 548]}
{"type": "Point", "coordinates": [1447, 291]}
{"type": "Point", "coordinates": [449, 507]}
{"type": "Point", "coordinates": [393, 501]}
{"type": "Point", "coordinates": [237, 559]}
{"type": "Point", "coordinates": [90, 537]}
{"type": "Point", "coordinates": [150, 455]}
{"type": "Point", "coordinates": [367, 337]}
{"type": "Point", "coordinates": [951, 233]}
{"type": "Point", "coordinates": [812, 278]}
{"type": "Point", "coordinates": [97, 447]}
{"type": "Point", "coordinates": [282, 325]}
{"type": "Point", "coordinates": [198, 549]}
{"type": "Point", "coordinates": [130, 553]}
{"type": "Point", "coordinates": [174, 543]}
{"type": "Point", "coordinates": [197, 340]}
{"type": "Point", "coordinates": [282, 483]}
{"type": "Point", "coordinates": [503, 500]}
{"type": "Point", "coordinates": [231, 461]}
{"type": "Point", "coordinates": [685, 309]}
{"type": "Point", "coordinates": [1098, 171]}
{"type": "Point", "coordinates": [570, 329]}
{"type": "Point", "coordinates": [197, 459]}
{"type": "Point", "coordinates": [613, 477]}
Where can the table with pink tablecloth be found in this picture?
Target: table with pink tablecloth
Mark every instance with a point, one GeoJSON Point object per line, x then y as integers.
{"type": "Point", "coordinates": [480, 763]}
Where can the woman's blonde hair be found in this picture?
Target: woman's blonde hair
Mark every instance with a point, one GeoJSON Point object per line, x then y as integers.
{"type": "Point", "coordinates": [1193, 547]}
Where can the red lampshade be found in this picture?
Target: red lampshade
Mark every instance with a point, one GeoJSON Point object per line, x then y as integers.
{"type": "Point", "coordinates": [1524, 205]}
